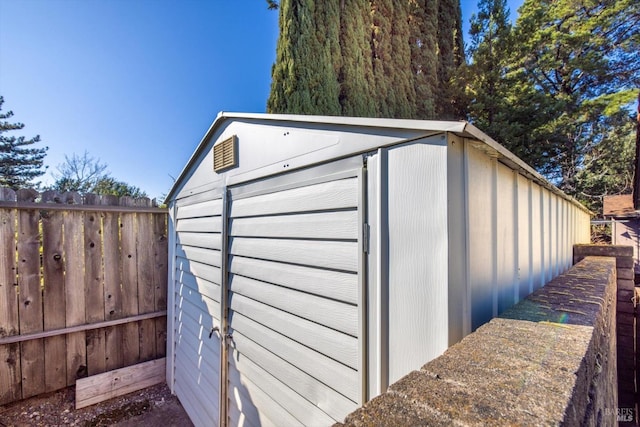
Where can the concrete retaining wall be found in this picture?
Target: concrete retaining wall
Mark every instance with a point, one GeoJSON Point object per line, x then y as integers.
{"type": "Point", "coordinates": [551, 359]}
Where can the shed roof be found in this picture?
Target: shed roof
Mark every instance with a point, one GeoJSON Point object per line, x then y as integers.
{"type": "Point", "coordinates": [461, 128]}
{"type": "Point", "coordinates": [619, 206]}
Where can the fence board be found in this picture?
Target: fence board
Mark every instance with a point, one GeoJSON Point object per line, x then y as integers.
{"type": "Point", "coordinates": [10, 377]}
{"type": "Point", "coordinates": [30, 297]}
{"type": "Point", "coordinates": [70, 265]}
{"type": "Point", "coordinates": [75, 295]}
{"type": "Point", "coordinates": [145, 260]}
{"type": "Point", "coordinates": [128, 258]}
{"type": "Point", "coordinates": [160, 250]}
{"type": "Point", "coordinates": [94, 288]}
{"type": "Point", "coordinates": [114, 352]}
{"type": "Point", "coordinates": [54, 294]}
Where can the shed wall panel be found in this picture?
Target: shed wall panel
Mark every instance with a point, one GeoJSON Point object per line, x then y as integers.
{"type": "Point", "coordinates": [546, 236]}
{"type": "Point", "coordinates": [519, 234]}
{"type": "Point", "coordinates": [418, 252]}
{"type": "Point", "coordinates": [457, 225]}
{"type": "Point", "coordinates": [196, 294]}
{"type": "Point", "coordinates": [506, 238]}
{"type": "Point", "coordinates": [524, 237]}
{"type": "Point", "coordinates": [537, 237]}
{"type": "Point", "coordinates": [481, 193]}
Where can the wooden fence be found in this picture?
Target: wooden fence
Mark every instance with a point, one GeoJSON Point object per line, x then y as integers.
{"type": "Point", "coordinates": [82, 288]}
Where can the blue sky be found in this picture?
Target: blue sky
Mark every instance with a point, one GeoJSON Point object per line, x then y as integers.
{"type": "Point", "coordinates": [136, 83]}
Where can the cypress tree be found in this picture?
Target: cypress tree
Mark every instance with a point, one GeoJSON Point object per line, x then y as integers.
{"type": "Point", "coordinates": [392, 59]}
{"type": "Point", "coordinates": [357, 83]}
{"type": "Point", "coordinates": [382, 55]}
{"type": "Point", "coordinates": [449, 36]}
{"type": "Point", "coordinates": [423, 22]}
{"type": "Point", "coordinates": [367, 58]}
{"type": "Point", "coordinates": [303, 77]}
{"type": "Point", "coordinates": [328, 45]}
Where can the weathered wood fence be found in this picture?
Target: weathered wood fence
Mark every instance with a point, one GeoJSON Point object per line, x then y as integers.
{"type": "Point", "coordinates": [82, 287]}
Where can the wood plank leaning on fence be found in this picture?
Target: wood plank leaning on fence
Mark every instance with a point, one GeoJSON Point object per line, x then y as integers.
{"type": "Point", "coordinates": [82, 287]}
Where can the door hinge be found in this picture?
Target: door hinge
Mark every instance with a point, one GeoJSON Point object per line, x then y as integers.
{"type": "Point", "coordinates": [366, 233]}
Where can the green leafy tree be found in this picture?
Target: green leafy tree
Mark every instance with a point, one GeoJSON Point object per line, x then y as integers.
{"type": "Point", "coordinates": [579, 65]}
{"type": "Point", "coordinates": [20, 163]}
{"type": "Point", "coordinates": [608, 168]}
{"type": "Point", "coordinates": [487, 89]}
{"type": "Point", "coordinates": [79, 173]}
{"type": "Point", "coordinates": [111, 186]}
{"type": "Point", "coordinates": [553, 89]}
{"type": "Point", "coordinates": [86, 174]}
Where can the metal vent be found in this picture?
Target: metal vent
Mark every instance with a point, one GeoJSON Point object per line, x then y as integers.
{"type": "Point", "coordinates": [224, 154]}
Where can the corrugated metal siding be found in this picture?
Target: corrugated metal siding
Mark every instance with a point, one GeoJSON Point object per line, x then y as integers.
{"type": "Point", "coordinates": [481, 205]}
{"type": "Point", "coordinates": [518, 235]}
{"type": "Point", "coordinates": [197, 276]}
{"type": "Point", "coordinates": [506, 237]}
{"type": "Point", "coordinates": [294, 304]}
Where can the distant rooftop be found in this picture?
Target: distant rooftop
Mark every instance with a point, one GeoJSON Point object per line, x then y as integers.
{"type": "Point", "coordinates": [619, 206]}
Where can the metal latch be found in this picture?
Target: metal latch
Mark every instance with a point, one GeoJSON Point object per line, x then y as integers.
{"type": "Point", "coordinates": [366, 237]}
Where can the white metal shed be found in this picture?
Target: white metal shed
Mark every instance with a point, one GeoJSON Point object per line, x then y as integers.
{"type": "Point", "coordinates": [316, 260]}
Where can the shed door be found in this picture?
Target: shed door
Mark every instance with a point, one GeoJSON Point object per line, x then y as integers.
{"type": "Point", "coordinates": [197, 305]}
{"type": "Point", "coordinates": [294, 286]}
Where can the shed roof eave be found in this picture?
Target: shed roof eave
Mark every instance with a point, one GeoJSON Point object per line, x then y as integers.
{"type": "Point", "coordinates": [461, 128]}
{"type": "Point", "coordinates": [515, 162]}
{"type": "Point", "coordinates": [429, 126]}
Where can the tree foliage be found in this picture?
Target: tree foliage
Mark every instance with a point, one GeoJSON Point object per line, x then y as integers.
{"type": "Point", "coordinates": [79, 173]}
{"type": "Point", "coordinates": [86, 174]}
{"type": "Point", "coordinates": [20, 163]}
{"type": "Point", "coordinates": [582, 58]}
{"type": "Point", "coordinates": [608, 168]}
{"type": "Point", "coordinates": [556, 88]}
{"type": "Point", "coordinates": [372, 58]}
{"type": "Point", "coordinates": [487, 89]}
{"type": "Point", "coordinates": [111, 186]}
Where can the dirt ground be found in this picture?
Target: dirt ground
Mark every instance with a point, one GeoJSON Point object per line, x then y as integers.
{"type": "Point", "coordinates": [153, 406]}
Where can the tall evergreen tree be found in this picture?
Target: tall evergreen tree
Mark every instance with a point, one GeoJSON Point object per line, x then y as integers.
{"type": "Point", "coordinates": [403, 96]}
{"type": "Point", "coordinates": [555, 89]}
{"type": "Point", "coordinates": [608, 168]}
{"type": "Point", "coordinates": [86, 174]}
{"type": "Point", "coordinates": [390, 58]}
{"type": "Point", "coordinates": [303, 77]}
{"type": "Point", "coordinates": [20, 164]}
{"type": "Point", "coordinates": [450, 58]}
{"type": "Point", "coordinates": [423, 42]}
{"type": "Point", "coordinates": [356, 79]}
{"type": "Point", "coordinates": [486, 84]}
{"type": "Point", "coordinates": [581, 61]}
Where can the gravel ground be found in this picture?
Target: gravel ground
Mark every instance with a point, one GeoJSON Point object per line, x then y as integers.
{"type": "Point", "coordinates": [149, 407]}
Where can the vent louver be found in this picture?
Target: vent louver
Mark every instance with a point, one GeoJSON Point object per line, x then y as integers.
{"type": "Point", "coordinates": [224, 154]}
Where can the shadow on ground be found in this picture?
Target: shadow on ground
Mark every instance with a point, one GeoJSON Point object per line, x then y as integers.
{"type": "Point", "coordinates": [153, 406]}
